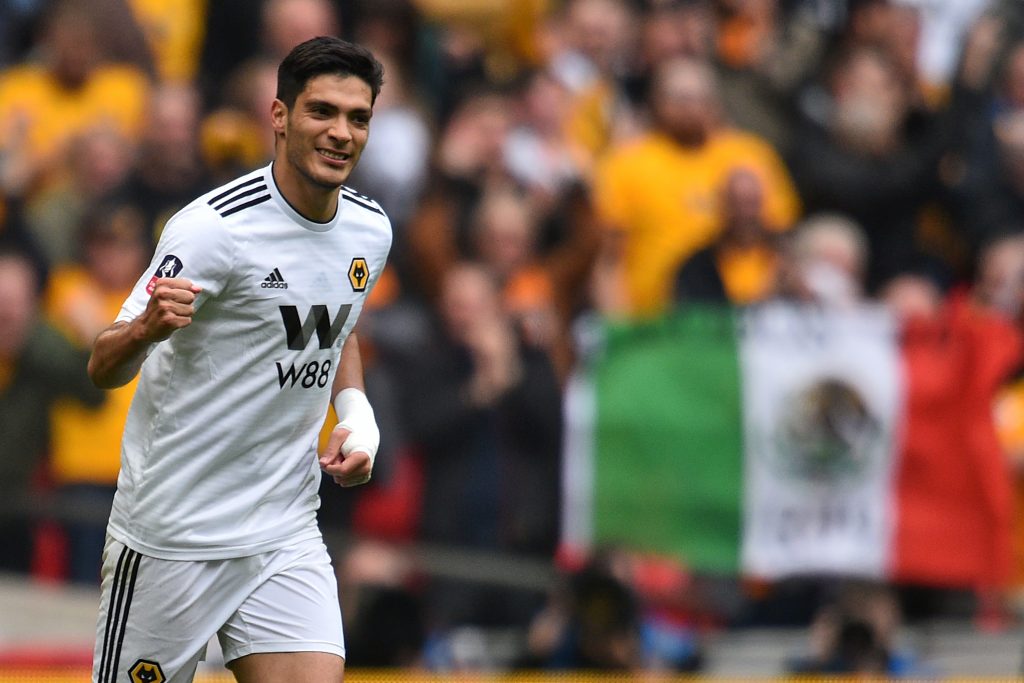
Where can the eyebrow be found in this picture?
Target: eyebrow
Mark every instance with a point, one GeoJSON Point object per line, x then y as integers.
{"type": "Point", "coordinates": [319, 104]}
{"type": "Point", "coordinates": [324, 104]}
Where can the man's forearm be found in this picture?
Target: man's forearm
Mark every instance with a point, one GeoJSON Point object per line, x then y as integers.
{"type": "Point", "coordinates": [356, 431]}
{"type": "Point", "coordinates": [120, 350]}
{"type": "Point", "coordinates": [350, 368]}
{"type": "Point", "coordinates": [117, 355]}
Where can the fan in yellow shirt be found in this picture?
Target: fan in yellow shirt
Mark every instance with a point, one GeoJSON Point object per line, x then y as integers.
{"type": "Point", "coordinates": [1009, 412]}
{"type": "Point", "coordinates": [659, 196]}
{"type": "Point", "coordinates": [174, 30]}
{"type": "Point", "coordinates": [45, 105]}
{"type": "Point", "coordinates": [85, 451]}
{"type": "Point", "coordinates": [742, 265]}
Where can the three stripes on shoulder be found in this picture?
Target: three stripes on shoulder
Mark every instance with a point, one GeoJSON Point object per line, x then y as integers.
{"type": "Point", "coordinates": [226, 203]}
{"type": "Point", "coordinates": [254, 191]}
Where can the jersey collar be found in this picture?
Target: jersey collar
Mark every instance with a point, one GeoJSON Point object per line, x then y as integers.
{"type": "Point", "coordinates": [290, 211]}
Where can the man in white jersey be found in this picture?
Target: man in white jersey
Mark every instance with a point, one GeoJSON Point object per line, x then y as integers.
{"type": "Point", "coordinates": [241, 330]}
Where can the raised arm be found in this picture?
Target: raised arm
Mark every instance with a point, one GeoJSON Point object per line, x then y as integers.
{"type": "Point", "coordinates": [120, 350]}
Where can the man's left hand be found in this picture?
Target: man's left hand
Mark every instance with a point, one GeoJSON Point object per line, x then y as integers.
{"type": "Point", "coordinates": [347, 470]}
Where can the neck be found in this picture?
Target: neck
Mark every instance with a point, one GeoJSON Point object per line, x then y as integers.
{"type": "Point", "coordinates": [690, 139]}
{"type": "Point", "coordinates": [312, 201]}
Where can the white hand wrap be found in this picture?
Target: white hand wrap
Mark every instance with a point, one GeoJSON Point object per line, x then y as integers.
{"type": "Point", "coordinates": [356, 415]}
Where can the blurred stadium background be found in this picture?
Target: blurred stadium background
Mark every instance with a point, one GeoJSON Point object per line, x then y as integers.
{"type": "Point", "coordinates": [699, 351]}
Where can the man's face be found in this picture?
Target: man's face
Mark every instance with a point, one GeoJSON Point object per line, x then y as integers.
{"type": "Point", "coordinates": [17, 305]}
{"type": "Point", "coordinates": [743, 207]}
{"type": "Point", "coordinates": [684, 102]}
{"type": "Point", "coordinates": [468, 300]}
{"type": "Point", "coordinates": [325, 132]}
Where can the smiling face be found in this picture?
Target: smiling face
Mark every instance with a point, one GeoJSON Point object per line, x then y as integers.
{"type": "Point", "coordinates": [322, 136]}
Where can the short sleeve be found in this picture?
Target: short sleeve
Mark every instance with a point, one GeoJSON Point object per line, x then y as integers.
{"type": "Point", "coordinates": [382, 257]}
{"type": "Point", "coordinates": [781, 202]}
{"type": "Point", "coordinates": [194, 245]}
{"type": "Point", "coordinates": [611, 192]}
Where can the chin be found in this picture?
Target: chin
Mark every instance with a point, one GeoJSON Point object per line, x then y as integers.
{"type": "Point", "coordinates": [328, 178]}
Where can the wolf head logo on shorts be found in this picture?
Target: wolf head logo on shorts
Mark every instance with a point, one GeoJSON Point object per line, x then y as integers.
{"type": "Point", "coordinates": [145, 671]}
{"type": "Point", "coordinates": [169, 267]}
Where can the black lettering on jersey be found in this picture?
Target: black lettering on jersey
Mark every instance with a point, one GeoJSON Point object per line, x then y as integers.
{"type": "Point", "coordinates": [299, 333]}
{"type": "Point", "coordinates": [145, 671]}
{"type": "Point", "coordinates": [308, 375]}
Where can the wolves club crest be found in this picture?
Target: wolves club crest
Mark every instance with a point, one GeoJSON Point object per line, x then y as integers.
{"type": "Point", "coordinates": [145, 671]}
{"type": "Point", "coordinates": [358, 274]}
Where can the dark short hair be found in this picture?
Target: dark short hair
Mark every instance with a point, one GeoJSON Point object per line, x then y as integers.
{"type": "Point", "coordinates": [326, 55]}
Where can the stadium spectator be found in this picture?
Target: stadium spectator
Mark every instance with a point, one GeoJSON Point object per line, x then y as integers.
{"type": "Point", "coordinates": [466, 45]}
{"type": "Point", "coordinates": [232, 136]}
{"type": "Point", "coordinates": [394, 28]}
{"type": "Point", "coordinates": [97, 162]}
{"type": "Point", "coordinates": [485, 413]}
{"type": "Point", "coordinates": [857, 635]}
{"type": "Point", "coordinates": [14, 235]}
{"type": "Point", "coordinates": [970, 167]}
{"type": "Point", "coordinates": [765, 52]}
{"type": "Point", "coordinates": [657, 197]}
{"type": "Point", "coordinates": [944, 28]}
{"type": "Point", "coordinates": [592, 622]}
{"type": "Point", "coordinates": [597, 41]}
{"type": "Point", "coordinates": [913, 295]}
{"type": "Point", "coordinates": [825, 262]}
{"type": "Point", "coordinates": [1010, 422]}
{"type": "Point", "coordinates": [538, 153]}
{"type": "Point", "coordinates": [85, 445]}
{"type": "Point", "coordinates": [38, 366]}
{"type": "Point", "coordinates": [389, 632]}
{"type": "Point", "coordinates": [173, 30]}
{"type": "Point", "coordinates": [241, 30]}
{"type": "Point", "coordinates": [468, 158]}
{"type": "Point", "coordinates": [993, 190]}
{"type": "Point", "coordinates": [388, 628]}
{"type": "Point", "coordinates": [122, 38]}
{"type": "Point", "coordinates": [394, 166]}
{"type": "Point", "coordinates": [286, 23]}
{"type": "Point", "coordinates": [955, 488]}
{"type": "Point", "coordinates": [875, 159]}
{"type": "Point", "coordinates": [742, 265]}
{"type": "Point", "coordinates": [74, 88]}
{"type": "Point", "coordinates": [168, 171]}
{"type": "Point", "coordinates": [505, 233]}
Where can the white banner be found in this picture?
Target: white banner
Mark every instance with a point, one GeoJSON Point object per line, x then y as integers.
{"type": "Point", "coordinates": [822, 394]}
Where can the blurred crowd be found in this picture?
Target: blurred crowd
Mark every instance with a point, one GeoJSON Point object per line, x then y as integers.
{"type": "Point", "coordinates": [540, 161]}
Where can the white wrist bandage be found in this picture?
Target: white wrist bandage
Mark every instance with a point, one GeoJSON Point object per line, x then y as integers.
{"type": "Point", "coordinates": [356, 415]}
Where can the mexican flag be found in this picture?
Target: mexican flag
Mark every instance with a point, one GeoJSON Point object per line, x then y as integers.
{"type": "Point", "coordinates": [765, 442]}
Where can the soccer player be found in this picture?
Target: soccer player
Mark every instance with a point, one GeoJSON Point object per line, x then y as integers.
{"type": "Point", "coordinates": [241, 328]}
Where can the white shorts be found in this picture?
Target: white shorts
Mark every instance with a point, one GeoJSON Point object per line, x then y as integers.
{"type": "Point", "coordinates": [156, 616]}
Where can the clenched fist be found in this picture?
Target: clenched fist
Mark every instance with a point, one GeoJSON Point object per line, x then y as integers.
{"type": "Point", "coordinates": [170, 308]}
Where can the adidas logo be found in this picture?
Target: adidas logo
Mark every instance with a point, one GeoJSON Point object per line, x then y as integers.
{"type": "Point", "coordinates": [274, 281]}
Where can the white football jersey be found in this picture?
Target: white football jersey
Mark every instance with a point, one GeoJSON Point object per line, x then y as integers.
{"type": "Point", "coordinates": [219, 458]}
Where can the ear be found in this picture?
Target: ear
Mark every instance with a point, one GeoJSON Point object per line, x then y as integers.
{"type": "Point", "coordinates": [278, 117]}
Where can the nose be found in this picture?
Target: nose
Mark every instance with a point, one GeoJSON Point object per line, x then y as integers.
{"type": "Point", "coordinates": [339, 130]}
